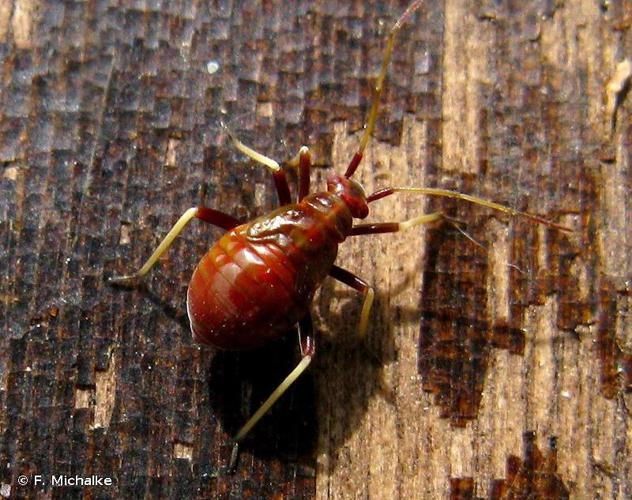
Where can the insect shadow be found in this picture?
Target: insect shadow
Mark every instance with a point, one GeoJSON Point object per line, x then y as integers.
{"type": "Point", "coordinates": [240, 381]}
{"type": "Point", "coordinates": [354, 367]}
{"type": "Point", "coordinates": [236, 379]}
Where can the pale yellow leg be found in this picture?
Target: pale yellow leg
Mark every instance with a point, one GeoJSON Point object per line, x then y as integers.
{"type": "Point", "coordinates": [351, 280]}
{"type": "Point", "coordinates": [280, 180]}
{"type": "Point", "coordinates": [268, 162]}
{"type": "Point", "coordinates": [271, 164]}
{"type": "Point", "coordinates": [419, 220]}
{"type": "Point", "coordinates": [278, 392]}
{"type": "Point", "coordinates": [164, 245]}
{"type": "Point", "coordinates": [358, 284]}
{"type": "Point", "coordinates": [294, 162]}
{"type": "Point", "coordinates": [394, 227]}
{"type": "Point", "coordinates": [306, 344]}
{"type": "Point", "coordinates": [365, 313]}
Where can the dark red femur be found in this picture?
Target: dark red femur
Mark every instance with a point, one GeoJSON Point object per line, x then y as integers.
{"type": "Point", "coordinates": [351, 192]}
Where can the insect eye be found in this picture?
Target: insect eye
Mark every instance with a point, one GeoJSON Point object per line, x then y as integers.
{"type": "Point", "coordinates": [351, 192]}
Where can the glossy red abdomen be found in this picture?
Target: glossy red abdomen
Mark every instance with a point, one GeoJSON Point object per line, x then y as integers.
{"type": "Point", "coordinates": [258, 280]}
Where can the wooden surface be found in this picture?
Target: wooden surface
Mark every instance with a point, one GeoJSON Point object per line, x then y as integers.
{"type": "Point", "coordinates": [496, 368]}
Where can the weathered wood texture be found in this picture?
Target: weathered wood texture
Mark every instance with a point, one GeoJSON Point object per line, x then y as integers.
{"type": "Point", "coordinates": [492, 369]}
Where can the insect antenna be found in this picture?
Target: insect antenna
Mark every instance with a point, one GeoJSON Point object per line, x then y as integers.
{"type": "Point", "coordinates": [446, 193]}
{"type": "Point", "coordinates": [379, 85]}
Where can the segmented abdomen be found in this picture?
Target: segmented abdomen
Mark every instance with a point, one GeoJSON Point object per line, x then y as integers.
{"type": "Point", "coordinates": [258, 280]}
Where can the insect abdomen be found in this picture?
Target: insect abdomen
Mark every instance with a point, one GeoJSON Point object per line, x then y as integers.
{"type": "Point", "coordinates": [233, 293]}
{"type": "Point", "coordinates": [258, 280]}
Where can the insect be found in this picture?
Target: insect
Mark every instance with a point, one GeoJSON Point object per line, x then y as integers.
{"type": "Point", "coordinates": [257, 282]}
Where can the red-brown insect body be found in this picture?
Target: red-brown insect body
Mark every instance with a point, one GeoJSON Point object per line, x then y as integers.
{"type": "Point", "coordinates": [258, 280]}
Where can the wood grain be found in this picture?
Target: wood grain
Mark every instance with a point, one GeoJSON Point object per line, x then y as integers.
{"type": "Point", "coordinates": [496, 368]}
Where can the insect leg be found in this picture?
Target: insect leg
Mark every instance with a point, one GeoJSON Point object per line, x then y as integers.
{"type": "Point", "coordinates": [361, 286]}
{"type": "Point", "coordinates": [302, 161]}
{"type": "Point", "coordinates": [393, 227]}
{"type": "Point", "coordinates": [308, 348]}
{"type": "Point", "coordinates": [280, 179]}
{"type": "Point", "coordinates": [209, 215]}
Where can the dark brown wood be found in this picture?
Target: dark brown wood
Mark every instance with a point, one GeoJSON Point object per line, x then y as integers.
{"type": "Point", "coordinates": [488, 370]}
